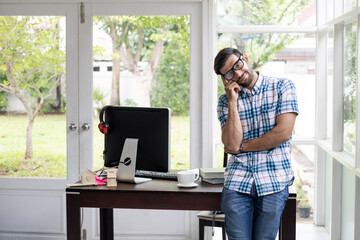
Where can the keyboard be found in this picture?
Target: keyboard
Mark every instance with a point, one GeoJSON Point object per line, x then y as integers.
{"type": "Point", "coordinates": [156, 175]}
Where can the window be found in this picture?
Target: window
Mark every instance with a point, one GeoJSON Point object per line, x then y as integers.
{"type": "Point", "coordinates": [275, 53]}
{"type": "Point", "coordinates": [33, 52]}
{"type": "Point", "coordinates": [152, 66]}
{"type": "Point", "coordinates": [350, 87]}
{"type": "Point", "coordinates": [291, 55]}
{"type": "Point", "coordinates": [257, 12]}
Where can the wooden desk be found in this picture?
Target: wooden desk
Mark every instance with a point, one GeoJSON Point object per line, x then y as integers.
{"type": "Point", "coordinates": [156, 194]}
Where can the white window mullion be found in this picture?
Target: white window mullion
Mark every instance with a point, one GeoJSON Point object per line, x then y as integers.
{"type": "Point", "coordinates": [319, 188]}
{"type": "Point", "coordinates": [72, 87]}
{"type": "Point", "coordinates": [321, 10]}
{"type": "Point", "coordinates": [195, 88]}
{"type": "Point", "coordinates": [321, 82]}
{"type": "Point", "coordinates": [357, 150]}
{"type": "Point", "coordinates": [266, 29]}
{"type": "Point", "coordinates": [86, 88]}
{"type": "Point", "coordinates": [209, 86]}
{"type": "Point", "coordinates": [338, 89]}
{"type": "Point", "coordinates": [357, 209]}
{"type": "Point", "coordinates": [335, 202]}
{"type": "Point", "coordinates": [338, 8]}
{"type": "Point", "coordinates": [321, 126]}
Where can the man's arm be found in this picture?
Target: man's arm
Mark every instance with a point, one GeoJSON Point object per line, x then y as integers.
{"type": "Point", "coordinates": [231, 132]}
{"type": "Point", "coordinates": [276, 136]}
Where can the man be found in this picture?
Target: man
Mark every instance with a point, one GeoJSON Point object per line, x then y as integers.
{"type": "Point", "coordinates": [257, 115]}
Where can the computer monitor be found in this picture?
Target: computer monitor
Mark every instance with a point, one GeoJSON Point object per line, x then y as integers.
{"type": "Point", "coordinates": [151, 126]}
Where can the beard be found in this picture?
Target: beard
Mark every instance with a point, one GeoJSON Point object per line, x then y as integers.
{"type": "Point", "coordinates": [248, 78]}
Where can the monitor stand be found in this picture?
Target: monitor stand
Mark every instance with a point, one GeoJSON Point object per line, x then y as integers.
{"type": "Point", "coordinates": [126, 169]}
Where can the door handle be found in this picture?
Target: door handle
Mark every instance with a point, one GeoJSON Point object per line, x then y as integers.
{"type": "Point", "coordinates": [72, 127]}
{"type": "Point", "coordinates": [85, 127]}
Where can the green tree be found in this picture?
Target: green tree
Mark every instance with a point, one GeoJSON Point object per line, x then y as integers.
{"type": "Point", "coordinates": [3, 99]}
{"type": "Point", "coordinates": [171, 86]}
{"type": "Point", "coordinates": [262, 48]}
{"type": "Point", "coordinates": [141, 38]}
{"type": "Point", "coordinates": [32, 59]}
{"type": "Point", "coordinates": [350, 86]}
{"type": "Point", "coordinates": [350, 73]}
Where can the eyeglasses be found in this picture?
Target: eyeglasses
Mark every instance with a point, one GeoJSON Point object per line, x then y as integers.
{"type": "Point", "coordinates": [239, 64]}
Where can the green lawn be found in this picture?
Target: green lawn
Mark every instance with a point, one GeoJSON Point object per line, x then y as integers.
{"type": "Point", "coordinates": [180, 143]}
{"type": "Point", "coordinates": [49, 137]}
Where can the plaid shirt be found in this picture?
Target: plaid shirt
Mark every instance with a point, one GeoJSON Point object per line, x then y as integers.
{"type": "Point", "coordinates": [271, 170]}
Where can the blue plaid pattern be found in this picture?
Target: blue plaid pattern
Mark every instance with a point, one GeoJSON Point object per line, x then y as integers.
{"type": "Point", "coordinates": [271, 170]}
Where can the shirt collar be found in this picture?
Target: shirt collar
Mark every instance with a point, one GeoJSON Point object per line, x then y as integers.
{"type": "Point", "coordinates": [256, 88]}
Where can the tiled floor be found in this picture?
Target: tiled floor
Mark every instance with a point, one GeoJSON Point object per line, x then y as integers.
{"type": "Point", "coordinates": [304, 231]}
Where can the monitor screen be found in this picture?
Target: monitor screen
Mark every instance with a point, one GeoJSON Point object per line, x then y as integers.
{"type": "Point", "coordinates": [151, 126]}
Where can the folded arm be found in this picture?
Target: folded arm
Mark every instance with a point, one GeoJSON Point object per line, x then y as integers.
{"type": "Point", "coordinates": [275, 137]}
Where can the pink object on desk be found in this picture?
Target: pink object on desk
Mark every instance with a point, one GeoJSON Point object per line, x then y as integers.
{"type": "Point", "coordinates": [100, 181]}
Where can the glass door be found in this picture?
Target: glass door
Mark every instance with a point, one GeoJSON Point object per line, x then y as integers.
{"type": "Point", "coordinates": [146, 54]}
{"type": "Point", "coordinates": [144, 61]}
{"type": "Point", "coordinates": [38, 114]}
{"type": "Point", "coordinates": [33, 79]}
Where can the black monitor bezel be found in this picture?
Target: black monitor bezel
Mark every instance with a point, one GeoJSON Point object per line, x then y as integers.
{"type": "Point", "coordinates": [154, 144]}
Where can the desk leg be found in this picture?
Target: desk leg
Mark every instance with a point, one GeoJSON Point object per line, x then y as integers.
{"type": "Point", "coordinates": [287, 230]}
{"type": "Point", "coordinates": [73, 216]}
{"type": "Point", "coordinates": [106, 224]}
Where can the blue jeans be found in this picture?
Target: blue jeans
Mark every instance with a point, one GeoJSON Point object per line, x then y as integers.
{"type": "Point", "coordinates": [248, 216]}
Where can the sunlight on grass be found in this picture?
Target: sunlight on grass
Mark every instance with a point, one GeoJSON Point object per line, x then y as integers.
{"type": "Point", "coordinates": [180, 144]}
{"type": "Point", "coordinates": [49, 139]}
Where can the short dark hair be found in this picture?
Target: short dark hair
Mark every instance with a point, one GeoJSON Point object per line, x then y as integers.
{"type": "Point", "coordinates": [223, 56]}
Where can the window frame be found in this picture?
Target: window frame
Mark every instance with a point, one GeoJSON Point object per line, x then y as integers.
{"type": "Point", "coordinates": [261, 29]}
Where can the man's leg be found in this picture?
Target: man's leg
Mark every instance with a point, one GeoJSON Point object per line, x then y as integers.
{"type": "Point", "coordinates": [238, 209]}
{"type": "Point", "coordinates": [267, 214]}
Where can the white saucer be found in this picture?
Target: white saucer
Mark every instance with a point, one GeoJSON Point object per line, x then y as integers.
{"type": "Point", "coordinates": [187, 185]}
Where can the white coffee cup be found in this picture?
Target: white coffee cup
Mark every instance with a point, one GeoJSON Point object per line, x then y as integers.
{"type": "Point", "coordinates": [187, 178]}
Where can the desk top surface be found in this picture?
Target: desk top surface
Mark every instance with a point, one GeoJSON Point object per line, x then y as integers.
{"type": "Point", "coordinates": [152, 186]}
{"type": "Point", "coordinates": [156, 194]}
{"type": "Point", "coordinates": [165, 186]}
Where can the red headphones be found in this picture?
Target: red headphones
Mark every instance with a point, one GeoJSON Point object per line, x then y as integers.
{"type": "Point", "coordinates": [104, 127]}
